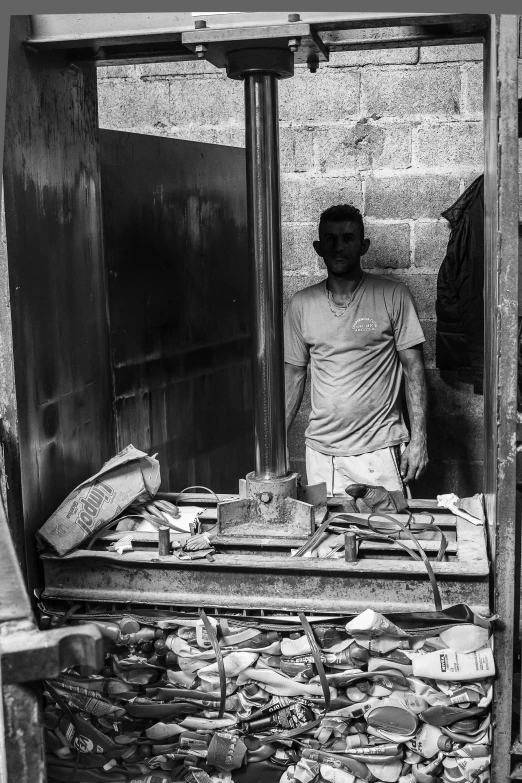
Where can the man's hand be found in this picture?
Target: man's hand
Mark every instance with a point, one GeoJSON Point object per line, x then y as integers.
{"type": "Point", "coordinates": [414, 460]}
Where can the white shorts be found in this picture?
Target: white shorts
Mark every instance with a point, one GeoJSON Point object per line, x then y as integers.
{"type": "Point", "coordinates": [377, 468]}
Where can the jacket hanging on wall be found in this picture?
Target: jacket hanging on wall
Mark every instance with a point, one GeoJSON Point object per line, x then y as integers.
{"type": "Point", "coordinates": [460, 291]}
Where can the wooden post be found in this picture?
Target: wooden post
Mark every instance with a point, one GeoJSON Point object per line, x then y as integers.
{"type": "Point", "coordinates": [501, 355]}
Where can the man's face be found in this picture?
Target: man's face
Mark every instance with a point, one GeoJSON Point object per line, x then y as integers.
{"type": "Point", "coordinates": [341, 246]}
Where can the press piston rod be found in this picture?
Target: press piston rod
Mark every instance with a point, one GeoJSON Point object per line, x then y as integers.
{"type": "Point", "coordinates": [264, 221]}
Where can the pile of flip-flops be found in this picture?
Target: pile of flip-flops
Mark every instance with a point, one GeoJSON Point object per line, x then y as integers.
{"type": "Point", "coordinates": [203, 698]}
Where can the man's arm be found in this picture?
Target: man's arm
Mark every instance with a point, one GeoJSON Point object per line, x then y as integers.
{"type": "Point", "coordinates": [295, 381]}
{"type": "Point", "coordinates": [415, 457]}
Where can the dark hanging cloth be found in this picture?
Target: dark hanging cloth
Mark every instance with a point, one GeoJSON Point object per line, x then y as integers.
{"type": "Point", "coordinates": [460, 291]}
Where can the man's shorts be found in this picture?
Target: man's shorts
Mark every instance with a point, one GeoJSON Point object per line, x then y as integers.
{"type": "Point", "coordinates": [377, 468]}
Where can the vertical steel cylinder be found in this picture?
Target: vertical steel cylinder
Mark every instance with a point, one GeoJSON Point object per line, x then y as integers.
{"type": "Point", "coordinates": [163, 541]}
{"type": "Point", "coordinates": [264, 221]}
{"type": "Point", "coordinates": [350, 547]}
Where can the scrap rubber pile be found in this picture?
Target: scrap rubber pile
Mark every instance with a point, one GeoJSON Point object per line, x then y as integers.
{"type": "Point", "coordinates": [200, 698]}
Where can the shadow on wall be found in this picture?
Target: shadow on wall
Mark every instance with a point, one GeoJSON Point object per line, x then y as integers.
{"type": "Point", "coordinates": [455, 447]}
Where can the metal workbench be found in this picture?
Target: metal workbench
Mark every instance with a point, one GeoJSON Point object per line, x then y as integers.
{"type": "Point", "coordinates": [258, 573]}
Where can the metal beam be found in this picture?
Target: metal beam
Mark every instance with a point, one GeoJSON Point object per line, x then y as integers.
{"type": "Point", "coordinates": [107, 39]}
{"type": "Point", "coordinates": [74, 29]}
{"type": "Point", "coordinates": [139, 38]}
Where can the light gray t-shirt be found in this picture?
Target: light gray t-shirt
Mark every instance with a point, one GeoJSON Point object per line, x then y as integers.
{"type": "Point", "coordinates": [356, 372]}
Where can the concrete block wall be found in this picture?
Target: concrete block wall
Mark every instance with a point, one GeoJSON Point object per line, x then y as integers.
{"type": "Point", "coordinates": [396, 132]}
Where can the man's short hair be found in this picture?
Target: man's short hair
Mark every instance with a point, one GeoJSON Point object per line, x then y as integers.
{"type": "Point", "coordinates": [340, 213]}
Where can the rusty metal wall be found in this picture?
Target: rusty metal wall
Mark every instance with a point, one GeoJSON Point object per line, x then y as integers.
{"type": "Point", "coordinates": [176, 249]}
{"type": "Point", "coordinates": [56, 278]}
{"type": "Point", "coordinates": [10, 480]}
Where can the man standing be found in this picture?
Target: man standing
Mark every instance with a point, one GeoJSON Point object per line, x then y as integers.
{"type": "Point", "coordinates": [359, 332]}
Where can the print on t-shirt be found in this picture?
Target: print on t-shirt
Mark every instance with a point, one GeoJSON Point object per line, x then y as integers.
{"type": "Point", "coordinates": [364, 325]}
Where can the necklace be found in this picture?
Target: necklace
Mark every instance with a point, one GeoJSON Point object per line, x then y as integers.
{"type": "Point", "coordinates": [342, 308]}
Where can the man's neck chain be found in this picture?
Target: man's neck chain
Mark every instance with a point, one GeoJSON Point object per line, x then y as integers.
{"type": "Point", "coordinates": [342, 308]}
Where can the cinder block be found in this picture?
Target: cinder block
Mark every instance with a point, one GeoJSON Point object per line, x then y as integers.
{"type": "Point", "coordinates": [296, 436]}
{"type": "Point", "coordinates": [430, 244]}
{"type": "Point", "coordinates": [296, 440]}
{"type": "Point", "coordinates": [442, 476]}
{"type": "Point", "coordinates": [406, 56]}
{"type": "Point", "coordinates": [325, 95]}
{"type": "Point", "coordinates": [294, 283]}
{"type": "Point", "coordinates": [423, 290]}
{"type": "Point", "coordinates": [411, 196]}
{"type": "Point", "coordinates": [298, 251]}
{"type": "Point", "coordinates": [208, 101]}
{"type": "Point", "coordinates": [181, 68]}
{"type": "Point", "coordinates": [303, 199]}
{"type": "Point", "coordinates": [458, 400]}
{"type": "Point", "coordinates": [230, 135]}
{"type": "Point", "coordinates": [456, 438]}
{"type": "Point", "coordinates": [389, 246]}
{"type": "Point", "coordinates": [133, 104]}
{"type": "Point", "coordinates": [363, 57]}
{"type": "Point", "coordinates": [200, 133]}
{"type": "Point", "coordinates": [455, 144]}
{"type": "Point", "coordinates": [365, 145]}
{"type": "Point", "coordinates": [296, 149]}
{"type": "Point", "coordinates": [442, 54]}
{"type": "Point", "coordinates": [227, 135]}
{"type": "Point", "coordinates": [299, 465]}
{"type": "Point", "coordinates": [118, 72]}
{"type": "Point", "coordinates": [411, 91]}
{"type": "Point", "coordinates": [306, 404]}
{"type": "Point", "coordinates": [429, 329]}
{"type": "Point", "coordinates": [471, 175]}
{"type": "Point", "coordinates": [472, 89]}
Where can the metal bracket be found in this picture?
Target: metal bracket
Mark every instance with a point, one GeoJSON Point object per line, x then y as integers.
{"type": "Point", "coordinates": [26, 656]}
{"type": "Point", "coordinates": [302, 39]}
{"type": "Point", "coordinates": [315, 495]}
{"type": "Point", "coordinates": [267, 507]}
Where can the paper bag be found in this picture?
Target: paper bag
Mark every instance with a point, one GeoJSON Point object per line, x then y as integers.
{"type": "Point", "coordinates": [131, 476]}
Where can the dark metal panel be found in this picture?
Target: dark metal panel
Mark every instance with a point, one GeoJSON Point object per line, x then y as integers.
{"type": "Point", "coordinates": [501, 355]}
{"type": "Point", "coordinates": [176, 247]}
{"type": "Point", "coordinates": [56, 277]}
{"type": "Point", "coordinates": [11, 489]}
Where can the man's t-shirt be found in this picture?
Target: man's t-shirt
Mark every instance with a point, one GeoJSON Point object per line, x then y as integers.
{"type": "Point", "coordinates": [356, 372]}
